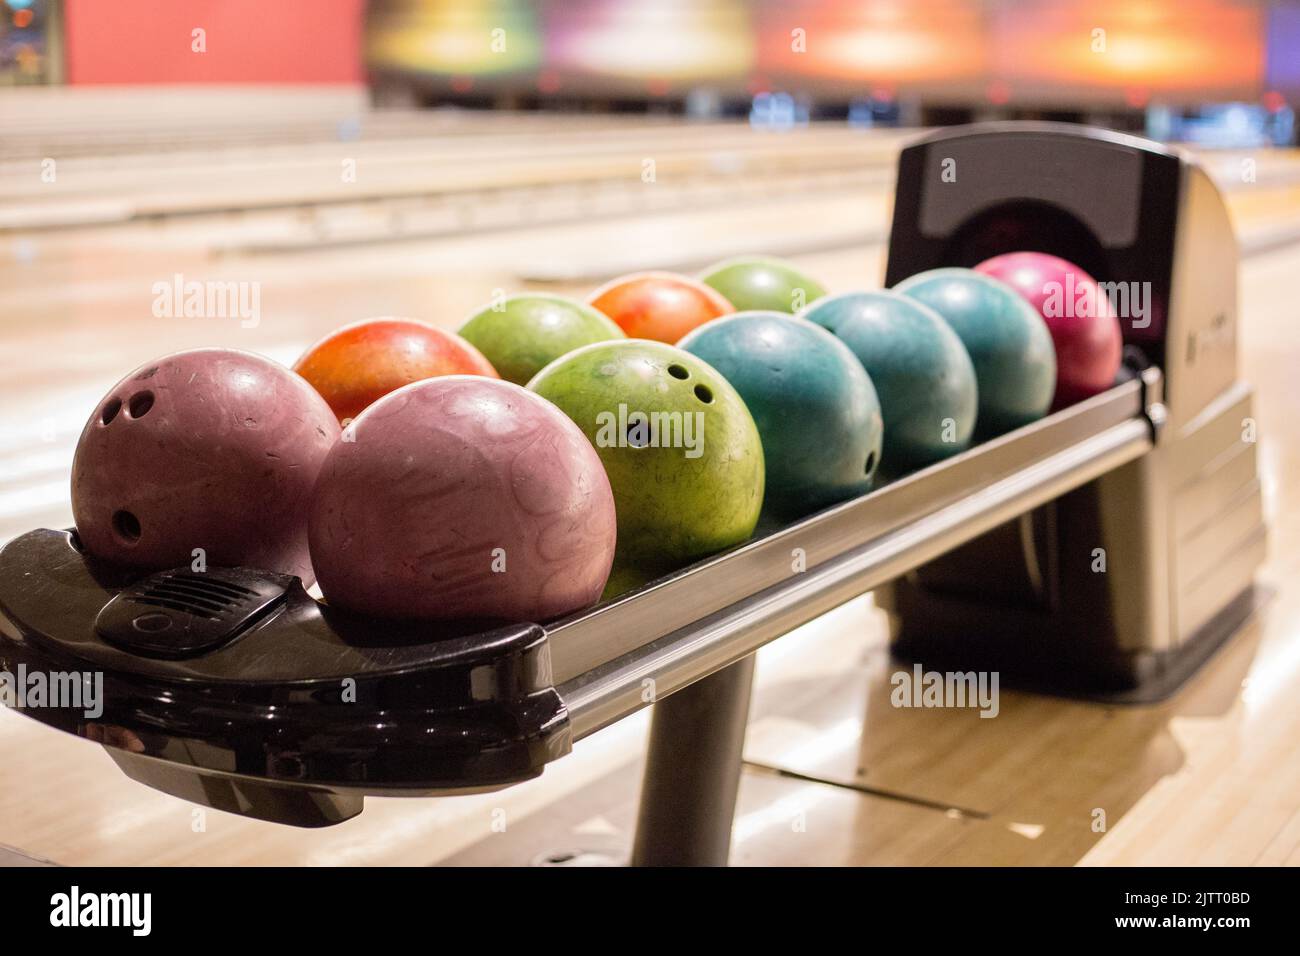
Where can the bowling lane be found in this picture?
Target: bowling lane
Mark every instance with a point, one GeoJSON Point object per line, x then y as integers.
{"type": "Point", "coordinates": [445, 162]}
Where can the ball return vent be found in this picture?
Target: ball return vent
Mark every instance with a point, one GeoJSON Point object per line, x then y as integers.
{"type": "Point", "coordinates": [285, 710]}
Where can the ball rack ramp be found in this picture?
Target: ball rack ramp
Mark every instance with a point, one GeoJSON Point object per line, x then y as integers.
{"type": "Point", "coordinates": [289, 711]}
{"type": "Point", "coordinates": [235, 689]}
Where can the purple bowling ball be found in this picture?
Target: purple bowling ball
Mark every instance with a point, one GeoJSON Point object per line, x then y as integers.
{"type": "Point", "coordinates": [462, 497]}
{"type": "Point", "coordinates": [214, 449]}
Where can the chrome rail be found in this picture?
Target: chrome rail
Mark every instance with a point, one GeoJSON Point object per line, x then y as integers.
{"type": "Point", "coordinates": [723, 609]}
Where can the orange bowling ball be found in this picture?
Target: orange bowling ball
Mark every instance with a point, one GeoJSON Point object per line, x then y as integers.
{"type": "Point", "coordinates": [662, 306]}
{"type": "Point", "coordinates": [356, 365]}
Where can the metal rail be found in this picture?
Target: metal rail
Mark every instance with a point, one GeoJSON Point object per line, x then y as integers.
{"type": "Point", "coordinates": [1001, 482]}
{"type": "Point", "coordinates": [1008, 466]}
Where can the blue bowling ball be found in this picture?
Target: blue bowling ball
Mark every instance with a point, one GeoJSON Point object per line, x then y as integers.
{"type": "Point", "coordinates": [923, 376]}
{"type": "Point", "coordinates": [814, 405]}
{"type": "Point", "coordinates": [1008, 342]}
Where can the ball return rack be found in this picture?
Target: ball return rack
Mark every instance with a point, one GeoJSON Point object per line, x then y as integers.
{"type": "Point", "coordinates": [235, 689]}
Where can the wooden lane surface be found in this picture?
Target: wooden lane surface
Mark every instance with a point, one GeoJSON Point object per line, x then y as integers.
{"type": "Point", "coordinates": [272, 198]}
{"type": "Point", "coordinates": [335, 172]}
{"type": "Point", "coordinates": [105, 125]}
{"type": "Point", "coordinates": [457, 157]}
{"type": "Point", "coordinates": [1236, 796]}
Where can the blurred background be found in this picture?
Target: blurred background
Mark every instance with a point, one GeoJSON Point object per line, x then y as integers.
{"type": "Point", "coordinates": [1216, 71]}
{"type": "Point", "coordinates": [340, 159]}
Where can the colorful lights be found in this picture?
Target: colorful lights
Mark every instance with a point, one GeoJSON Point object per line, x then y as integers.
{"type": "Point", "coordinates": [454, 38]}
{"type": "Point", "coordinates": [23, 42]}
{"type": "Point", "coordinates": [1004, 51]}
{"type": "Point", "coordinates": [1119, 49]}
{"type": "Point", "coordinates": [667, 42]}
{"type": "Point", "coordinates": [880, 42]}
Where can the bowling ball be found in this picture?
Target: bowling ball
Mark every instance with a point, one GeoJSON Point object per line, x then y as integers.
{"type": "Point", "coordinates": [1008, 343]}
{"type": "Point", "coordinates": [679, 446]}
{"type": "Point", "coordinates": [662, 306]}
{"type": "Point", "coordinates": [920, 369]}
{"type": "Point", "coordinates": [523, 333]}
{"type": "Point", "coordinates": [214, 449]}
{"type": "Point", "coordinates": [1084, 327]}
{"type": "Point", "coordinates": [462, 497]}
{"type": "Point", "coordinates": [360, 363]}
{"type": "Point", "coordinates": [815, 407]}
{"type": "Point", "coordinates": [758, 283]}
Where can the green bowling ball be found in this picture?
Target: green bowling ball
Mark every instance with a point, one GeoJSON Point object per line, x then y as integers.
{"type": "Point", "coordinates": [1008, 341]}
{"type": "Point", "coordinates": [678, 444]}
{"type": "Point", "coordinates": [813, 403]}
{"type": "Point", "coordinates": [922, 374]}
{"type": "Point", "coordinates": [759, 283]}
{"type": "Point", "coordinates": [523, 333]}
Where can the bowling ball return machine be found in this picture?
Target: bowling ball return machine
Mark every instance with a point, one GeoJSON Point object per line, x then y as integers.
{"type": "Point", "coordinates": [236, 690]}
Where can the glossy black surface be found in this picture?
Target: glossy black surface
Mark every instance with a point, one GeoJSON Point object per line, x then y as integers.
{"type": "Point", "coordinates": [183, 613]}
{"type": "Point", "coordinates": [291, 696]}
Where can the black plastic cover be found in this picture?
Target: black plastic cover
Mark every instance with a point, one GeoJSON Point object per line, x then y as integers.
{"type": "Point", "coordinates": [272, 704]}
{"type": "Point", "coordinates": [182, 613]}
{"type": "Point", "coordinates": [1105, 201]}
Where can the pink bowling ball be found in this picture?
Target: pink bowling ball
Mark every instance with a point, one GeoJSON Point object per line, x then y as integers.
{"type": "Point", "coordinates": [213, 449]}
{"type": "Point", "coordinates": [1084, 327]}
{"type": "Point", "coordinates": [462, 497]}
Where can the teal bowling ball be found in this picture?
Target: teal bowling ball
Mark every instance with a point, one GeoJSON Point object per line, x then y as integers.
{"type": "Point", "coordinates": [813, 403]}
{"type": "Point", "coordinates": [1008, 341]}
{"type": "Point", "coordinates": [920, 369]}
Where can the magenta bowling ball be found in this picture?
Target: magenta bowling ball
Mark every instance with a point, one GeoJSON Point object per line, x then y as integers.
{"type": "Point", "coordinates": [1085, 330]}
{"type": "Point", "coordinates": [462, 497]}
{"type": "Point", "coordinates": [213, 449]}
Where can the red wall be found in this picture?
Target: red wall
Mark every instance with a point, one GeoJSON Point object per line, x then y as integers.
{"type": "Point", "coordinates": [248, 41]}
